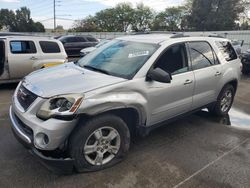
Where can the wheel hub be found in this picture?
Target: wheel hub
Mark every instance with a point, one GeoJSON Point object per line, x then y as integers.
{"type": "Point", "coordinates": [102, 146]}
{"type": "Point", "coordinates": [226, 100]}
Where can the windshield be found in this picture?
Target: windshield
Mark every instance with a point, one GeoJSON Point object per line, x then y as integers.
{"type": "Point", "coordinates": [119, 58]}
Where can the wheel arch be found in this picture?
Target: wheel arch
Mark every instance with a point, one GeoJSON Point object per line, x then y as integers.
{"type": "Point", "coordinates": [234, 83]}
{"type": "Point", "coordinates": [130, 115]}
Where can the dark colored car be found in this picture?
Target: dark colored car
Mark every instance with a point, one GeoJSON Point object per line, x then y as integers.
{"type": "Point", "coordinates": [245, 60]}
{"type": "Point", "coordinates": [74, 44]}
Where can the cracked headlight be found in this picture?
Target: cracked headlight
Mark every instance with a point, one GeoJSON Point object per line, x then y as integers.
{"type": "Point", "coordinates": [60, 106]}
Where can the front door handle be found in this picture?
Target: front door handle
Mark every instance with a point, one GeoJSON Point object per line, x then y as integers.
{"type": "Point", "coordinates": [218, 73]}
{"type": "Point", "coordinates": [33, 58]}
{"type": "Point", "coordinates": [188, 82]}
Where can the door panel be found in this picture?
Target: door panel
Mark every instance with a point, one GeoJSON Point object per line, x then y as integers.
{"type": "Point", "coordinates": [206, 81]}
{"type": "Point", "coordinates": [21, 57]}
{"type": "Point", "coordinates": [170, 100]}
{"type": "Point", "coordinates": [167, 100]}
{"type": "Point", "coordinates": [207, 73]}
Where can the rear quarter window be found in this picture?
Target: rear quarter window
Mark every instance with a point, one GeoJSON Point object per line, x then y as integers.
{"type": "Point", "coordinates": [49, 47]}
{"type": "Point", "coordinates": [91, 39]}
{"type": "Point", "coordinates": [81, 39]}
{"type": "Point", "coordinates": [227, 50]}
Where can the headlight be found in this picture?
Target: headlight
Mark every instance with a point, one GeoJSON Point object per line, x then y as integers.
{"type": "Point", "coordinates": [64, 105]}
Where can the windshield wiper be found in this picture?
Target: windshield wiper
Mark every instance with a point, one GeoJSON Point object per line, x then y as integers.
{"type": "Point", "coordinates": [96, 69]}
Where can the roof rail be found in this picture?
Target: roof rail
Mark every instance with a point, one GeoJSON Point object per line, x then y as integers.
{"type": "Point", "coordinates": [216, 36]}
{"type": "Point", "coordinates": [178, 35]}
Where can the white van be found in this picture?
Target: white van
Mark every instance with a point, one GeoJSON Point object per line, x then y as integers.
{"type": "Point", "coordinates": [20, 55]}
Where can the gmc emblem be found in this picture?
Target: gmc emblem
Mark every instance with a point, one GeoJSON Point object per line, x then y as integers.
{"type": "Point", "coordinates": [22, 94]}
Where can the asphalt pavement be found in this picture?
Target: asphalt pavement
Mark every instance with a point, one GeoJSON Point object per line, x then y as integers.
{"type": "Point", "coordinates": [197, 151]}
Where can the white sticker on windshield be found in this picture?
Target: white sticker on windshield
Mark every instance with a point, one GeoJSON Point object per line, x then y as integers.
{"type": "Point", "coordinates": [138, 54]}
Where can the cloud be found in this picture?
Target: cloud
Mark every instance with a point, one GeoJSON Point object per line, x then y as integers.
{"type": "Point", "coordinates": [157, 5]}
{"type": "Point", "coordinates": [10, 1]}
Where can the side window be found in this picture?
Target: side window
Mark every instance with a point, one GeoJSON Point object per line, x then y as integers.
{"type": "Point", "coordinates": [227, 50]}
{"type": "Point", "coordinates": [202, 55]}
{"type": "Point", "coordinates": [71, 39]}
{"type": "Point", "coordinates": [81, 39]}
{"type": "Point", "coordinates": [49, 47]}
{"type": "Point", "coordinates": [22, 47]}
{"type": "Point", "coordinates": [91, 39]}
{"type": "Point", "coordinates": [174, 60]}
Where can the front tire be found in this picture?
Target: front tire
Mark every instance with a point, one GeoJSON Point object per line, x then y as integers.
{"type": "Point", "coordinates": [99, 143]}
{"type": "Point", "coordinates": [224, 101]}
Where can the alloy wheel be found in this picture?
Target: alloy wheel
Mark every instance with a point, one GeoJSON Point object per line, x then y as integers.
{"type": "Point", "coordinates": [102, 146]}
{"type": "Point", "coordinates": [226, 101]}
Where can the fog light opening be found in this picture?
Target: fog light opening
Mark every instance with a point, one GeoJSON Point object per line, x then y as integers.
{"type": "Point", "coordinates": [41, 139]}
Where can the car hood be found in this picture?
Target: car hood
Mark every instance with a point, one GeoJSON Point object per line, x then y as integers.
{"type": "Point", "coordinates": [65, 79]}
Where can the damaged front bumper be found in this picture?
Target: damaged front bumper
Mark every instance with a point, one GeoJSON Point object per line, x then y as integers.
{"type": "Point", "coordinates": [56, 165]}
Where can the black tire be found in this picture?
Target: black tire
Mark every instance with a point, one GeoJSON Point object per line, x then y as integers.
{"type": "Point", "coordinates": [85, 129]}
{"type": "Point", "coordinates": [217, 109]}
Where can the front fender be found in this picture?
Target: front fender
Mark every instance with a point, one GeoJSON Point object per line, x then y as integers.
{"type": "Point", "coordinates": [105, 103]}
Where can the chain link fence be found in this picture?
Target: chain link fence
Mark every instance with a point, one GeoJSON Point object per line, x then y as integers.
{"type": "Point", "coordinates": [233, 35]}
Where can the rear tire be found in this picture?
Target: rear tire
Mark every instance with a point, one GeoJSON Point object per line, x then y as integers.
{"type": "Point", "coordinates": [224, 101]}
{"type": "Point", "coordinates": [99, 143]}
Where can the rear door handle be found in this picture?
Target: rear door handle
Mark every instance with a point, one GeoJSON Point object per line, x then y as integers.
{"type": "Point", "coordinates": [218, 73]}
{"type": "Point", "coordinates": [33, 58]}
{"type": "Point", "coordinates": [188, 82]}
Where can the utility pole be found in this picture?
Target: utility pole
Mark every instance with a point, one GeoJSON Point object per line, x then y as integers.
{"type": "Point", "coordinates": [54, 15]}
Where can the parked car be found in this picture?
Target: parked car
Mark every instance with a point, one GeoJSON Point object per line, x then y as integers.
{"type": "Point", "coordinates": [82, 115]}
{"type": "Point", "coordinates": [245, 60]}
{"type": "Point", "coordinates": [237, 45]}
{"type": "Point", "coordinates": [74, 44]}
{"type": "Point", "coordinates": [21, 55]}
{"type": "Point", "coordinates": [86, 51]}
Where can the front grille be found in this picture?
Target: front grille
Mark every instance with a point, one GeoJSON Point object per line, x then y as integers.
{"type": "Point", "coordinates": [24, 127]}
{"type": "Point", "coordinates": [25, 97]}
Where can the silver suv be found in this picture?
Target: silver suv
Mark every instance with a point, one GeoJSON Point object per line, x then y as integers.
{"type": "Point", "coordinates": [82, 115]}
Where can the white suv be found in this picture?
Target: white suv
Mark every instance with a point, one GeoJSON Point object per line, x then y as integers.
{"type": "Point", "coordinates": [88, 110]}
{"type": "Point", "coordinates": [20, 55]}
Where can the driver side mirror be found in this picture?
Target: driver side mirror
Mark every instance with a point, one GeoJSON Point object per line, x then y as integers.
{"type": "Point", "coordinates": [159, 75]}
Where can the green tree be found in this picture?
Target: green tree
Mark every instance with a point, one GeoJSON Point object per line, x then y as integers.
{"type": "Point", "coordinates": [111, 19]}
{"type": "Point", "coordinates": [86, 25]}
{"type": "Point", "coordinates": [19, 21]}
{"type": "Point", "coordinates": [124, 14]}
{"type": "Point", "coordinates": [7, 18]}
{"type": "Point", "coordinates": [142, 18]}
{"type": "Point", "coordinates": [244, 26]}
{"type": "Point", "coordinates": [106, 20]}
{"type": "Point", "coordinates": [208, 15]}
{"type": "Point", "coordinates": [170, 19]}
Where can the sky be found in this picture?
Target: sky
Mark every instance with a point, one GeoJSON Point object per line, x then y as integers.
{"type": "Point", "coordinates": [69, 10]}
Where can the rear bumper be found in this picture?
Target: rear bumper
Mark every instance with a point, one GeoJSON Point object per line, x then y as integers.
{"type": "Point", "coordinates": [56, 165]}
